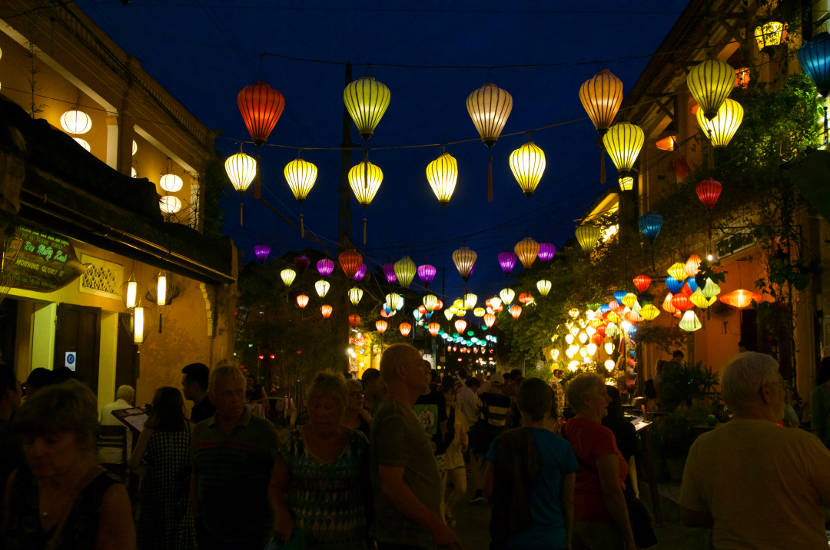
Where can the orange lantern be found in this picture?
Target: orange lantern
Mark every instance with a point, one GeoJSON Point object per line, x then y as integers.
{"type": "Point", "coordinates": [527, 249]}
{"type": "Point", "coordinates": [350, 261]}
{"type": "Point", "coordinates": [525, 298]}
{"type": "Point", "coordinates": [326, 310]}
{"type": "Point", "coordinates": [439, 305]}
{"type": "Point", "coordinates": [642, 282]}
{"type": "Point", "coordinates": [405, 329]}
{"type": "Point", "coordinates": [434, 328]}
{"type": "Point", "coordinates": [667, 143]}
{"type": "Point", "coordinates": [460, 325]}
{"type": "Point", "coordinates": [742, 77]}
{"type": "Point", "coordinates": [681, 302]}
{"type": "Point", "coordinates": [261, 107]}
{"type": "Point", "coordinates": [381, 325]}
{"type": "Point", "coordinates": [667, 304]}
{"type": "Point", "coordinates": [740, 298]}
{"type": "Point", "coordinates": [302, 300]}
{"type": "Point", "coordinates": [515, 310]}
{"type": "Point", "coordinates": [354, 320]}
{"type": "Point", "coordinates": [692, 266]}
{"type": "Point", "coordinates": [489, 320]}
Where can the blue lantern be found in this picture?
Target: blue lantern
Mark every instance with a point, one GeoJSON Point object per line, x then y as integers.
{"type": "Point", "coordinates": [604, 309]}
{"type": "Point", "coordinates": [619, 295]}
{"type": "Point", "coordinates": [692, 284]}
{"type": "Point", "coordinates": [416, 314]}
{"type": "Point", "coordinates": [650, 225]}
{"type": "Point", "coordinates": [673, 284]}
{"type": "Point", "coordinates": [814, 57]}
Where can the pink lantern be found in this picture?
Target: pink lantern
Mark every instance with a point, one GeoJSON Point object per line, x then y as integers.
{"type": "Point", "coordinates": [325, 267]}
{"type": "Point", "coordinates": [426, 273]}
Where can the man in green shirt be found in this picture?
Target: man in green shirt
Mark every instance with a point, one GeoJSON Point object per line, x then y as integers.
{"type": "Point", "coordinates": [405, 477]}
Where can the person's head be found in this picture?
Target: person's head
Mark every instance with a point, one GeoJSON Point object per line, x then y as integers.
{"type": "Point", "coordinates": [558, 374]}
{"type": "Point", "coordinates": [167, 414]}
{"type": "Point", "coordinates": [473, 383]}
{"type": "Point", "coordinates": [9, 391]}
{"type": "Point", "coordinates": [496, 383]}
{"type": "Point", "coordinates": [448, 387]}
{"type": "Point", "coordinates": [535, 400]}
{"type": "Point", "coordinates": [823, 374]}
{"type": "Point", "coordinates": [38, 379]}
{"type": "Point", "coordinates": [226, 390]}
{"type": "Point", "coordinates": [372, 383]}
{"type": "Point", "coordinates": [462, 374]}
{"type": "Point", "coordinates": [677, 355]}
{"type": "Point", "coordinates": [125, 392]}
{"type": "Point", "coordinates": [516, 375]}
{"type": "Point", "coordinates": [401, 365]}
{"type": "Point", "coordinates": [195, 381]}
{"type": "Point", "coordinates": [615, 410]}
{"type": "Point", "coordinates": [587, 395]}
{"type": "Point", "coordinates": [327, 397]}
{"type": "Point", "coordinates": [741, 346]}
{"type": "Point", "coordinates": [57, 428]}
{"type": "Point", "coordinates": [355, 389]}
{"type": "Point", "coordinates": [752, 386]}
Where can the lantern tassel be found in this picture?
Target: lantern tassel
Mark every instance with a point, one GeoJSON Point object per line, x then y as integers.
{"type": "Point", "coordinates": [489, 179]}
{"type": "Point", "coordinates": [364, 231]}
{"type": "Point", "coordinates": [601, 163]}
{"type": "Point", "coordinates": [240, 213]}
{"type": "Point", "coordinates": [159, 322]}
{"type": "Point", "coordinates": [711, 156]}
{"type": "Point", "coordinates": [302, 227]}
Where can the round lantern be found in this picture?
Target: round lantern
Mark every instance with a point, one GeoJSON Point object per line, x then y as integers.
{"type": "Point", "coordinates": [355, 295]}
{"type": "Point", "coordinates": [241, 170]}
{"type": "Point", "coordinates": [261, 107]}
{"type": "Point", "coordinates": [171, 183]}
{"type": "Point", "coordinates": [325, 267]}
{"type": "Point", "coordinates": [649, 312]}
{"type": "Point", "coordinates": [426, 273]}
{"type": "Point", "coordinates": [433, 328]}
{"type": "Point", "coordinates": [322, 287]}
{"type": "Point", "coordinates": [381, 325]}
{"type": "Point", "coordinates": [527, 164]}
{"type": "Point", "coordinates": [515, 310]}
{"type": "Point", "coordinates": [448, 314]}
{"type": "Point", "coordinates": [366, 101]}
{"type": "Point", "coordinates": [354, 320]}
{"type": "Point", "coordinates": [546, 252]}
{"type": "Point", "coordinates": [405, 271]}
{"type": "Point", "coordinates": [642, 282]}
{"type": "Point", "coordinates": [740, 298]}
{"type": "Point", "coordinates": [720, 129]}
{"type": "Point", "coordinates": [507, 295]}
{"type": "Point", "coordinates": [708, 191]}
{"type": "Point", "coordinates": [814, 57]}
{"type": "Point", "coordinates": [489, 320]}
{"type": "Point", "coordinates": [543, 286]}
{"type": "Point", "coordinates": [677, 270]}
{"type": "Point", "coordinates": [287, 275]}
{"type": "Point", "coordinates": [326, 310]}
{"type": "Point", "coordinates": [300, 176]}
{"type": "Point", "coordinates": [710, 82]}
{"type": "Point", "coordinates": [405, 329]}
{"type": "Point", "coordinates": [495, 304]}
{"type": "Point", "coordinates": [169, 204]}
{"type": "Point", "coordinates": [460, 325]}
{"type": "Point", "coordinates": [526, 250]}
{"type": "Point", "coordinates": [302, 300]}
{"type": "Point", "coordinates": [601, 97]}
{"type": "Point", "coordinates": [650, 225]}
{"type": "Point", "coordinates": [76, 122]}
{"type": "Point", "coordinates": [689, 322]}
{"type": "Point", "coordinates": [389, 273]}
{"type": "Point", "coordinates": [365, 179]}
{"type": "Point", "coordinates": [442, 175]}
{"type": "Point", "coordinates": [587, 235]}
{"type": "Point", "coordinates": [350, 260]}
{"type": "Point", "coordinates": [489, 107]}
{"type": "Point", "coordinates": [261, 251]}
{"type": "Point", "coordinates": [464, 259]}
{"type": "Point", "coordinates": [430, 301]}
{"type": "Point", "coordinates": [85, 144]}
{"type": "Point", "coordinates": [623, 142]}
{"type": "Point", "coordinates": [507, 261]}
{"type": "Point", "coordinates": [692, 266]}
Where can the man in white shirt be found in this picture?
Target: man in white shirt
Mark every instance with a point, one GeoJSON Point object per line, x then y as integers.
{"type": "Point", "coordinates": [124, 399]}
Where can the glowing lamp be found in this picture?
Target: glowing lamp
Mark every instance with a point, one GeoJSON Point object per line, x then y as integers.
{"type": "Point", "coordinates": [591, 349]}
{"type": "Point", "coordinates": [489, 107]}
{"type": "Point", "coordinates": [300, 175]}
{"type": "Point", "coordinates": [322, 287]}
{"type": "Point", "coordinates": [261, 107]}
{"type": "Point", "coordinates": [525, 298]}
{"type": "Point", "coordinates": [527, 250]}
{"type": "Point", "coordinates": [366, 100]}
{"type": "Point", "coordinates": [722, 127]}
{"type": "Point", "coordinates": [573, 366]}
{"type": "Point", "coordinates": [83, 143]}
{"type": "Point", "coordinates": [325, 267]}
{"type": "Point", "coordinates": [394, 301]}
{"type": "Point", "coordinates": [489, 319]}
{"type": "Point", "coordinates": [161, 289]}
{"type": "Point", "coordinates": [629, 299]}
{"type": "Point", "coordinates": [601, 96]}
{"type": "Point", "coordinates": [287, 275]}
{"type": "Point", "coordinates": [416, 314]}
{"type": "Point", "coordinates": [427, 273]}
{"type": "Point", "coordinates": [241, 170]}
{"type": "Point", "coordinates": [132, 293]}
{"type": "Point", "coordinates": [325, 311]}
{"type": "Point", "coordinates": [623, 142]}
{"type": "Point", "coordinates": [515, 310]}
{"type": "Point", "coordinates": [609, 348]}
{"type": "Point", "coordinates": [527, 164]}
{"type": "Point", "coordinates": [666, 143]}
{"type": "Point", "coordinates": [668, 307]}
{"type": "Point", "coordinates": [460, 325]}
{"type": "Point", "coordinates": [171, 183]}
{"type": "Point", "coordinates": [449, 314]}
{"type": "Point", "coordinates": [355, 295]}
{"type": "Point", "coordinates": [710, 82]}
{"type": "Point", "coordinates": [261, 251]}
{"type": "Point", "coordinates": [464, 259]}
{"type": "Point", "coordinates": [430, 301]}
{"type": "Point", "coordinates": [439, 305]}
{"type": "Point", "coordinates": [470, 300]}
{"type": "Point", "coordinates": [710, 288]}
{"type": "Point", "coordinates": [543, 286]}
{"type": "Point", "coordinates": [479, 312]}
{"type": "Point", "coordinates": [708, 191]}
{"type": "Point", "coordinates": [354, 320]}
{"type": "Point", "coordinates": [405, 271]}
{"type": "Point", "coordinates": [507, 295]}
{"type": "Point", "coordinates": [814, 58]}
{"type": "Point", "coordinates": [649, 312]}
{"type": "Point", "coordinates": [740, 298]}
{"type": "Point", "coordinates": [546, 252]}
{"type": "Point", "coordinates": [681, 302]}
{"type": "Point", "coordinates": [769, 35]}
{"type": "Point", "coordinates": [642, 282]}
{"type": "Point", "coordinates": [442, 175]}
{"type": "Point", "coordinates": [507, 261]}
{"type": "Point", "coordinates": [587, 235]}
{"type": "Point", "coordinates": [434, 328]}
{"type": "Point", "coordinates": [350, 260]}
{"type": "Point", "coordinates": [677, 270]}
{"type": "Point", "coordinates": [405, 329]}
{"type": "Point", "coordinates": [626, 183]}
{"type": "Point", "coordinates": [742, 76]}
{"type": "Point", "coordinates": [689, 322]}
{"type": "Point", "coordinates": [650, 225]}
{"type": "Point", "coordinates": [138, 325]}
{"type": "Point", "coordinates": [360, 273]}
{"type": "Point", "coordinates": [582, 337]}
{"type": "Point", "coordinates": [76, 122]}
{"type": "Point", "coordinates": [365, 179]}
{"type": "Point", "coordinates": [609, 365]}
{"type": "Point", "coordinates": [302, 300]}
{"type": "Point", "coordinates": [381, 326]}
{"type": "Point", "coordinates": [673, 284]}
{"type": "Point", "coordinates": [169, 204]}
{"type": "Point", "coordinates": [389, 273]}
{"type": "Point", "coordinates": [699, 300]}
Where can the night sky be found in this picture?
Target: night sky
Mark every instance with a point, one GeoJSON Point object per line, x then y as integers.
{"type": "Point", "coordinates": [204, 51]}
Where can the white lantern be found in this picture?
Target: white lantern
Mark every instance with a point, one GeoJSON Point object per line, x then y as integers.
{"type": "Point", "coordinates": [76, 122]}
{"type": "Point", "coordinates": [135, 147]}
{"type": "Point", "coordinates": [322, 287]}
{"type": "Point", "coordinates": [83, 143]}
{"type": "Point", "coordinates": [132, 292]}
{"type": "Point", "coordinates": [138, 325]}
{"type": "Point", "coordinates": [171, 183]}
{"type": "Point", "coordinates": [170, 204]}
{"type": "Point", "coordinates": [133, 172]}
{"type": "Point", "coordinates": [161, 289]}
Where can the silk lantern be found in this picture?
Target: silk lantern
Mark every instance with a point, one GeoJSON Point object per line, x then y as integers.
{"type": "Point", "coordinates": [722, 127]}
{"type": "Point", "coordinates": [426, 273]}
{"type": "Point", "coordinates": [546, 252]}
{"type": "Point", "coordinates": [526, 250]}
{"type": "Point", "coordinates": [405, 271]}
{"type": "Point", "coordinates": [740, 298]}
{"type": "Point", "coordinates": [464, 259]}
{"type": "Point", "coordinates": [527, 164]}
{"type": "Point", "coordinates": [814, 58]}
{"type": "Point", "coordinates": [507, 261]}
{"type": "Point", "coordinates": [302, 300]}
{"type": "Point", "coordinates": [350, 261]}
{"type": "Point", "coordinates": [326, 310]}
{"type": "Point", "coordinates": [543, 286]}
{"type": "Point", "coordinates": [623, 142]}
{"type": "Point", "coordinates": [689, 322]}
{"type": "Point", "coordinates": [650, 225]}
{"type": "Point", "coordinates": [355, 295]}
{"type": "Point", "coordinates": [489, 320]}
{"type": "Point", "coordinates": [515, 310]}
{"type": "Point", "coordinates": [261, 107]}
{"type": "Point", "coordinates": [381, 326]}
{"type": "Point", "coordinates": [322, 287]}
{"type": "Point", "coordinates": [708, 191]}
{"type": "Point", "coordinates": [460, 325]}
{"type": "Point", "coordinates": [642, 282]}
{"type": "Point", "coordinates": [366, 100]}
{"type": "Point", "coordinates": [434, 328]}
{"type": "Point", "coordinates": [405, 329]}
{"type": "Point", "coordinates": [587, 235]}
{"type": "Point", "coordinates": [288, 275]}
{"type": "Point", "coordinates": [601, 97]}
{"type": "Point", "coordinates": [442, 175]}
{"type": "Point", "coordinates": [710, 82]}
{"type": "Point", "coordinates": [489, 107]}
{"type": "Point", "coordinates": [507, 295]}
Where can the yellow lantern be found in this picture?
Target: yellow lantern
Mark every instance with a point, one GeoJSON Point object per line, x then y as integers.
{"type": "Point", "coordinates": [458, 304]}
{"type": "Point", "coordinates": [430, 301]}
{"type": "Point", "coordinates": [366, 101]}
{"type": "Point", "coordinates": [322, 287]}
{"type": "Point", "coordinates": [448, 313]}
{"type": "Point", "coordinates": [138, 325]}
{"type": "Point", "coordinates": [543, 286]}
{"type": "Point", "coordinates": [689, 322]}
{"type": "Point", "coordinates": [464, 259]}
{"type": "Point", "coordinates": [394, 301]}
{"type": "Point", "coordinates": [479, 312]}
{"type": "Point", "coordinates": [489, 107]}
{"type": "Point", "coordinates": [507, 295]}
{"type": "Point", "coordinates": [678, 271]}
{"type": "Point", "coordinates": [769, 35]}
{"type": "Point", "coordinates": [527, 164]}
{"type": "Point", "coordinates": [629, 299]}
{"type": "Point", "coordinates": [355, 295]}
{"type": "Point", "coordinates": [161, 289]}
{"type": "Point", "coordinates": [470, 300]}
{"type": "Point", "coordinates": [626, 183]}
{"type": "Point", "coordinates": [442, 175]}
{"type": "Point", "coordinates": [649, 312]}
{"type": "Point", "coordinates": [710, 82]}
{"type": "Point", "coordinates": [132, 293]}
{"type": "Point", "coordinates": [241, 170]}
{"type": "Point", "coordinates": [587, 235]}
{"type": "Point", "coordinates": [623, 142]}
{"type": "Point", "coordinates": [287, 275]}
{"type": "Point", "coordinates": [365, 179]}
{"type": "Point", "coordinates": [723, 126]}
{"type": "Point", "coordinates": [405, 271]}
{"type": "Point", "coordinates": [527, 249]}
{"type": "Point", "coordinates": [699, 300]}
{"type": "Point", "coordinates": [300, 176]}
{"type": "Point", "coordinates": [667, 305]}
{"type": "Point", "coordinates": [601, 96]}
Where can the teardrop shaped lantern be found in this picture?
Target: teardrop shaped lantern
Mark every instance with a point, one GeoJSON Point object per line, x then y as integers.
{"type": "Point", "coordinates": [489, 320]}
{"type": "Point", "coordinates": [405, 329]}
{"type": "Point", "coordinates": [355, 295]}
{"type": "Point", "coordinates": [464, 259]}
{"type": "Point", "coordinates": [470, 300]}
{"type": "Point", "coordinates": [325, 267]}
{"type": "Point", "coordinates": [507, 295]}
{"type": "Point", "coordinates": [460, 325]}
{"type": "Point", "coordinates": [442, 175]}
{"type": "Point", "coordinates": [527, 164]}
{"type": "Point", "coordinates": [322, 287]}
{"type": "Point", "coordinates": [515, 310]}
{"type": "Point", "coordinates": [405, 271]}
{"type": "Point", "coordinates": [708, 191]}
{"type": "Point", "coordinates": [649, 312]}
{"type": "Point", "coordinates": [721, 129]}
{"type": "Point", "coordinates": [587, 235]}
{"type": "Point", "coordinates": [350, 261]}
{"type": "Point", "coordinates": [623, 142]}
{"type": "Point", "coordinates": [262, 251]}
{"type": "Point", "coordinates": [427, 273]}
{"type": "Point", "coordinates": [710, 82]}
{"type": "Point", "coordinates": [360, 273]}
{"type": "Point", "coordinates": [381, 326]}
{"type": "Point", "coordinates": [300, 176]}
{"type": "Point", "coordinates": [814, 57]}
{"type": "Point", "coordinates": [690, 322]}
{"type": "Point", "coordinates": [365, 179]}
{"type": "Point", "coordinates": [325, 311]}
{"type": "Point", "coordinates": [366, 100]}
{"type": "Point", "coordinates": [543, 286]}
{"type": "Point", "coordinates": [261, 107]}
{"type": "Point", "coordinates": [430, 301]}
{"type": "Point", "coordinates": [288, 275]}
{"type": "Point", "coordinates": [449, 314]}
{"type": "Point", "coordinates": [710, 288]}
{"type": "Point", "coordinates": [642, 282]}
{"type": "Point", "coordinates": [601, 97]}
{"type": "Point", "coordinates": [526, 250]}
{"type": "Point", "coordinates": [507, 261]}
{"type": "Point", "coordinates": [354, 320]}
{"type": "Point", "coordinates": [302, 300]}
{"type": "Point", "coordinates": [241, 170]}
{"type": "Point", "coordinates": [650, 225]}
{"type": "Point", "coordinates": [434, 328]}
{"type": "Point", "coordinates": [489, 107]}
{"type": "Point", "coordinates": [740, 298]}
{"type": "Point", "coordinates": [546, 252]}
{"type": "Point", "coordinates": [389, 273]}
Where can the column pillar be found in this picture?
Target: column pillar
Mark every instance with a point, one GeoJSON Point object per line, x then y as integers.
{"type": "Point", "coordinates": [112, 141]}
{"type": "Point", "coordinates": [43, 335]}
{"type": "Point", "coordinates": [107, 357]}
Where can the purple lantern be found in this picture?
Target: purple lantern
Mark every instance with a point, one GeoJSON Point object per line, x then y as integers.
{"type": "Point", "coordinates": [546, 252]}
{"type": "Point", "coordinates": [261, 251]}
{"type": "Point", "coordinates": [389, 271]}
{"type": "Point", "coordinates": [325, 267]}
{"type": "Point", "coordinates": [360, 273]}
{"type": "Point", "coordinates": [301, 262]}
{"type": "Point", "coordinates": [507, 261]}
{"type": "Point", "coordinates": [427, 273]}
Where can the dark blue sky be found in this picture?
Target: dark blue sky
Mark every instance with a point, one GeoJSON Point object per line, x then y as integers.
{"type": "Point", "coordinates": [205, 51]}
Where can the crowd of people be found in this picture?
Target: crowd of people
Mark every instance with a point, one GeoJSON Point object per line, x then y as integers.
{"type": "Point", "coordinates": [382, 463]}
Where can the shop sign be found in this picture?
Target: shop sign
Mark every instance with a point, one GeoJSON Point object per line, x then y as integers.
{"type": "Point", "coordinates": [36, 260]}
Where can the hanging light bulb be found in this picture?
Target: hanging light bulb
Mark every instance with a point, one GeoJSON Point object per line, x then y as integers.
{"type": "Point", "coordinates": [138, 325]}
{"type": "Point", "coordinates": [300, 175]}
{"type": "Point", "coordinates": [366, 100]}
{"type": "Point", "coordinates": [721, 129]}
{"type": "Point", "coordinates": [161, 289]}
{"type": "Point", "coordinates": [587, 235]}
{"type": "Point", "coordinates": [442, 175]}
{"type": "Point", "coordinates": [322, 287]}
{"type": "Point", "coordinates": [302, 300]}
{"type": "Point", "coordinates": [405, 271]}
{"type": "Point", "coordinates": [326, 310]}
{"type": "Point", "coordinates": [355, 295]}
{"type": "Point", "coordinates": [527, 164]}
{"type": "Point", "coordinates": [464, 259]}
{"type": "Point", "coordinates": [132, 293]}
{"type": "Point", "coordinates": [690, 322]}
{"type": "Point", "coordinates": [710, 82]}
{"type": "Point", "coordinates": [241, 170]}
{"type": "Point", "coordinates": [507, 295]}
{"type": "Point", "coordinates": [527, 249]}
{"type": "Point", "coordinates": [623, 142]}
{"type": "Point", "coordinates": [543, 286]}
{"type": "Point", "coordinates": [287, 275]}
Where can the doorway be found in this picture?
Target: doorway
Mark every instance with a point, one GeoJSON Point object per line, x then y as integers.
{"type": "Point", "coordinates": [77, 342]}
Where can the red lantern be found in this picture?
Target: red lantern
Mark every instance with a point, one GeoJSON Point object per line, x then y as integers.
{"type": "Point", "coordinates": [422, 309]}
{"type": "Point", "coordinates": [439, 305]}
{"type": "Point", "coordinates": [326, 310]}
{"type": "Point", "coordinates": [613, 305]}
{"type": "Point", "coordinates": [686, 289]}
{"type": "Point", "coordinates": [434, 328]}
{"type": "Point", "coordinates": [405, 329]}
{"type": "Point", "coordinates": [681, 302]}
{"type": "Point", "coordinates": [261, 107]}
{"type": "Point", "coordinates": [381, 325]}
{"type": "Point", "coordinates": [642, 282]}
{"type": "Point", "coordinates": [302, 300]}
{"type": "Point", "coordinates": [350, 261]}
{"type": "Point", "coordinates": [515, 310]}
{"type": "Point", "coordinates": [708, 191]}
{"type": "Point", "coordinates": [525, 298]}
{"type": "Point", "coordinates": [598, 338]}
{"type": "Point", "coordinates": [354, 320]}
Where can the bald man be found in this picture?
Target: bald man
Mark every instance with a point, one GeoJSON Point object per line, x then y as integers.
{"type": "Point", "coordinates": [405, 477]}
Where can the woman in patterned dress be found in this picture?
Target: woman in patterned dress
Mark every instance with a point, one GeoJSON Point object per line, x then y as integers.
{"type": "Point", "coordinates": [165, 519]}
{"type": "Point", "coordinates": [320, 488]}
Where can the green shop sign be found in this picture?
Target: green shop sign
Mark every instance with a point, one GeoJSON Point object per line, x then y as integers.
{"type": "Point", "coordinates": [36, 260]}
